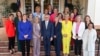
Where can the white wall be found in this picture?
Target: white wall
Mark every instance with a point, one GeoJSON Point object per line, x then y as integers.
{"type": "Point", "coordinates": [97, 13]}
{"type": "Point", "coordinates": [91, 9]}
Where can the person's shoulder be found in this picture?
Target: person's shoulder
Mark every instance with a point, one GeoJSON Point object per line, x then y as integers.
{"type": "Point", "coordinates": [29, 22]}
{"type": "Point", "coordinates": [7, 20]}
{"type": "Point", "coordinates": [59, 22]}
{"type": "Point", "coordinates": [82, 22]}
{"type": "Point", "coordinates": [62, 21]}
{"type": "Point", "coordinates": [94, 30]}
{"type": "Point", "coordinates": [20, 22]}
{"type": "Point", "coordinates": [51, 14]}
{"type": "Point", "coordinates": [51, 22]}
{"type": "Point", "coordinates": [42, 21]}
{"type": "Point", "coordinates": [86, 30]}
{"type": "Point", "coordinates": [16, 18]}
{"type": "Point", "coordinates": [34, 13]}
{"type": "Point", "coordinates": [69, 21]}
{"type": "Point", "coordinates": [74, 23]}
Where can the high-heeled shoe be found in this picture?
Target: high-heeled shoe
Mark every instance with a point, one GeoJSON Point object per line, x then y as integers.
{"type": "Point", "coordinates": [11, 51]}
{"type": "Point", "coordinates": [14, 51]}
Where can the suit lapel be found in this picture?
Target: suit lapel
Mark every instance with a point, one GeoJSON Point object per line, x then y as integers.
{"type": "Point", "coordinates": [44, 25]}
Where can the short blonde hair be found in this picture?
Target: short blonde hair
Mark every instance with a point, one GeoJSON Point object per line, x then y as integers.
{"type": "Point", "coordinates": [36, 18]}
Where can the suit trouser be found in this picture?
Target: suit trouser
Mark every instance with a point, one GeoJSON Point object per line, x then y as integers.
{"type": "Point", "coordinates": [25, 46]}
{"type": "Point", "coordinates": [78, 47]}
{"type": "Point", "coordinates": [66, 44]}
{"type": "Point", "coordinates": [88, 53]}
{"type": "Point", "coordinates": [57, 43]}
{"type": "Point", "coordinates": [47, 46]}
{"type": "Point", "coordinates": [11, 43]}
{"type": "Point", "coordinates": [36, 47]}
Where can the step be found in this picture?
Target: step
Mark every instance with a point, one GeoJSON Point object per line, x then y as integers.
{"type": "Point", "coordinates": [31, 54]}
{"type": "Point", "coordinates": [42, 53]}
{"type": "Point", "coordinates": [5, 49]}
{"type": "Point", "coordinates": [15, 54]}
{"type": "Point", "coordinates": [5, 43]}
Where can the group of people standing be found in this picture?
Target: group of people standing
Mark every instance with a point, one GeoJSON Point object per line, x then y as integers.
{"type": "Point", "coordinates": [64, 29]}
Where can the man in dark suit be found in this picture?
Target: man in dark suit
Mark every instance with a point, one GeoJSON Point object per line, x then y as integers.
{"type": "Point", "coordinates": [47, 31]}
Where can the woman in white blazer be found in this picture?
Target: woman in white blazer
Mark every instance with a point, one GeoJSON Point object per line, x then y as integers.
{"type": "Point", "coordinates": [89, 38]}
{"type": "Point", "coordinates": [77, 30]}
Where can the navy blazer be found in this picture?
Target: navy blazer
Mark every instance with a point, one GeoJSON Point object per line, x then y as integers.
{"type": "Point", "coordinates": [57, 30]}
{"type": "Point", "coordinates": [49, 32]}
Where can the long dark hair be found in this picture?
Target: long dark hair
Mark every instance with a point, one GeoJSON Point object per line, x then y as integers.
{"type": "Point", "coordinates": [86, 17]}
{"type": "Point", "coordinates": [85, 20]}
{"type": "Point", "coordinates": [19, 12]}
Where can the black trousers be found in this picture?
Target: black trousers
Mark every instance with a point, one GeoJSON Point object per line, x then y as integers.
{"type": "Point", "coordinates": [78, 47]}
{"type": "Point", "coordinates": [11, 42]}
{"type": "Point", "coordinates": [25, 46]}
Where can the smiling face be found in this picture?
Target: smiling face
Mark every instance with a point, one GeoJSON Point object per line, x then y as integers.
{"type": "Point", "coordinates": [55, 11]}
{"type": "Point", "coordinates": [66, 17]}
{"type": "Point", "coordinates": [66, 10]}
{"type": "Point", "coordinates": [88, 19]}
{"type": "Point", "coordinates": [37, 9]}
{"type": "Point", "coordinates": [56, 19]}
{"type": "Point", "coordinates": [36, 19]}
{"type": "Point", "coordinates": [72, 15]}
{"type": "Point", "coordinates": [90, 26]}
{"type": "Point", "coordinates": [49, 7]}
{"type": "Point", "coordinates": [11, 17]}
{"type": "Point", "coordinates": [75, 11]}
{"type": "Point", "coordinates": [46, 11]}
{"type": "Point", "coordinates": [24, 17]}
{"type": "Point", "coordinates": [78, 18]}
{"type": "Point", "coordinates": [47, 17]}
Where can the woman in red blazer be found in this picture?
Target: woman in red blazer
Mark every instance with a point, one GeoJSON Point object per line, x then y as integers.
{"type": "Point", "coordinates": [10, 30]}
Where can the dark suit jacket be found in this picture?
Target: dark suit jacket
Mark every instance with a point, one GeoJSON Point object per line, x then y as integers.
{"type": "Point", "coordinates": [49, 32]}
{"type": "Point", "coordinates": [57, 30]}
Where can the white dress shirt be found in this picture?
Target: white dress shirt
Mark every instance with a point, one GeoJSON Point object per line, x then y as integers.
{"type": "Point", "coordinates": [46, 24]}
